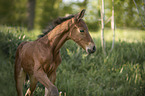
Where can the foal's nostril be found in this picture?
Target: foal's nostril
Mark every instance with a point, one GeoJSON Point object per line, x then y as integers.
{"type": "Point", "coordinates": [94, 48]}
{"type": "Point", "coordinates": [89, 50]}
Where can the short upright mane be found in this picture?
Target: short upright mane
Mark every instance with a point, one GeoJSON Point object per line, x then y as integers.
{"type": "Point", "coordinates": [53, 24]}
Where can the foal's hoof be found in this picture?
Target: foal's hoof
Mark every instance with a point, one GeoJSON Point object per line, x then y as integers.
{"type": "Point", "coordinates": [54, 92]}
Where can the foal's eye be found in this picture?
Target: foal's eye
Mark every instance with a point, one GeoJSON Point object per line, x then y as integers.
{"type": "Point", "coordinates": [81, 30]}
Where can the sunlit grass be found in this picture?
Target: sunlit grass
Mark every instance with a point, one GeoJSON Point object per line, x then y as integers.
{"type": "Point", "coordinates": [127, 35]}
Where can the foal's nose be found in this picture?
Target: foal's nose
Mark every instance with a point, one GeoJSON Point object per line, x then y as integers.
{"type": "Point", "coordinates": [91, 49]}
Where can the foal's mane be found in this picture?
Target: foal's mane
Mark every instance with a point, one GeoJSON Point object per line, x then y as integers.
{"type": "Point", "coordinates": [54, 23]}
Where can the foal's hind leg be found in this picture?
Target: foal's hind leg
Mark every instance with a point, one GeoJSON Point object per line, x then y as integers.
{"type": "Point", "coordinates": [33, 83]}
{"type": "Point", "coordinates": [20, 76]}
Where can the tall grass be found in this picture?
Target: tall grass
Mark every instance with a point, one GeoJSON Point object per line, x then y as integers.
{"type": "Point", "coordinates": [121, 73]}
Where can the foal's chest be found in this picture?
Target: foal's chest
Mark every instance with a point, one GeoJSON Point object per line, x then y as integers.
{"type": "Point", "coordinates": [50, 66]}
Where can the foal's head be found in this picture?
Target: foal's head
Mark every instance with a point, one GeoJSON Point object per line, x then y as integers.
{"type": "Point", "coordinates": [79, 33]}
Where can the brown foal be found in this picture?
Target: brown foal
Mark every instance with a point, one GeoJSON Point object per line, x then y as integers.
{"type": "Point", "coordinates": [40, 59]}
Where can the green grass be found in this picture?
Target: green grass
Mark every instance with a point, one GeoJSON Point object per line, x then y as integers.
{"type": "Point", "coordinates": [121, 73]}
{"type": "Point", "coordinates": [6, 76]}
{"type": "Point", "coordinates": [127, 35]}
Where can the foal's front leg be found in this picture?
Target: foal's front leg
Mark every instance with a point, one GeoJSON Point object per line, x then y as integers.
{"type": "Point", "coordinates": [52, 78]}
{"type": "Point", "coordinates": [41, 76]}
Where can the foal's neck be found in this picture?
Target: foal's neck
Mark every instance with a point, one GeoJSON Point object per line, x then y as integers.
{"type": "Point", "coordinates": [57, 37]}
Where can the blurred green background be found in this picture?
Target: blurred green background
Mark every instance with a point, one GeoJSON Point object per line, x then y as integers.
{"type": "Point", "coordinates": [119, 73]}
{"type": "Point", "coordinates": [15, 12]}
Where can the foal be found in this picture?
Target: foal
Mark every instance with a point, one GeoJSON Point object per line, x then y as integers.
{"type": "Point", "coordinates": [40, 59]}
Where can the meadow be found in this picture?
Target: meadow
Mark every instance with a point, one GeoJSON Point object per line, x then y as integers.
{"type": "Point", "coordinates": [120, 73]}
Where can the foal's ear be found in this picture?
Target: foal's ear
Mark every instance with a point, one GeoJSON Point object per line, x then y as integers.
{"type": "Point", "coordinates": [80, 15]}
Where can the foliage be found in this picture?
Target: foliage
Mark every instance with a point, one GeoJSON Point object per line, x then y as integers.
{"type": "Point", "coordinates": [121, 73]}
{"type": "Point", "coordinates": [126, 14]}
{"type": "Point", "coordinates": [47, 13]}
{"type": "Point", "coordinates": [14, 12]}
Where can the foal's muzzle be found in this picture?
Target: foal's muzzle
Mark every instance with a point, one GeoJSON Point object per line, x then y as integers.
{"type": "Point", "coordinates": [91, 48]}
